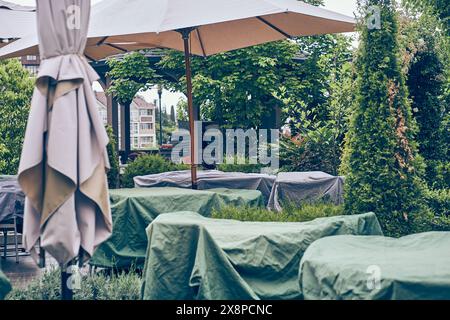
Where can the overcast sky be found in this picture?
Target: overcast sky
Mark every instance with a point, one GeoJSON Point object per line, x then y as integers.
{"type": "Point", "coordinates": [347, 7]}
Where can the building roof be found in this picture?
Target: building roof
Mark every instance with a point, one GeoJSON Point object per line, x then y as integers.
{"type": "Point", "coordinates": [142, 104]}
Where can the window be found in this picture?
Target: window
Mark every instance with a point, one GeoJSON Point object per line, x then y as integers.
{"type": "Point", "coordinates": [146, 126]}
{"type": "Point", "coordinates": [134, 115]}
{"type": "Point", "coordinates": [103, 115]}
{"type": "Point", "coordinates": [32, 69]}
{"type": "Point", "coordinates": [135, 128]}
{"type": "Point", "coordinates": [135, 143]}
{"type": "Point", "coordinates": [31, 58]}
{"type": "Point", "coordinates": [145, 112]}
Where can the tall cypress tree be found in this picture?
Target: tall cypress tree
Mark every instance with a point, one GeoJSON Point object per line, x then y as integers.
{"type": "Point", "coordinates": [381, 161]}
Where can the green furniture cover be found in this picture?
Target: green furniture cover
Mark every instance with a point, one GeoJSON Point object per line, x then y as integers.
{"type": "Point", "coordinates": [193, 257]}
{"type": "Point", "coordinates": [5, 286]}
{"type": "Point", "coordinates": [351, 267]}
{"type": "Point", "coordinates": [134, 209]}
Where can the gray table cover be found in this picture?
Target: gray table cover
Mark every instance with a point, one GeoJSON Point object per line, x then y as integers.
{"type": "Point", "coordinates": [297, 187]}
{"type": "Point", "coordinates": [210, 179]}
{"type": "Point", "coordinates": [11, 198]}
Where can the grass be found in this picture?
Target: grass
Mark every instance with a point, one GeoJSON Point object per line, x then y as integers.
{"type": "Point", "coordinates": [99, 286]}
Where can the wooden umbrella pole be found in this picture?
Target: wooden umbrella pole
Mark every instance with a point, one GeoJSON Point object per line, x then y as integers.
{"type": "Point", "coordinates": [185, 33]}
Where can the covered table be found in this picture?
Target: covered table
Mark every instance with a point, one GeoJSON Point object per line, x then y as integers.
{"type": "Point", "coordinates": [12, 198]}
{"type": "Point", "coordinates": [210, 179]}
{"type": "Point", "coordinates": [134, 209]}
{"type": "Point", "coordinates": [349, 267]}
{"type": "Point", "coordinates": [5, 286]}
{"type": "Point", "coordinates": [193, 257]}
{"type": "Point", "coordinates": [298, 187]}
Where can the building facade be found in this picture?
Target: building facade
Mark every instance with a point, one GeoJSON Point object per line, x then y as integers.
{"type": "Point", "coordinates": [31, 63]}
{"type": "Point", "coordinates": [142, 117]}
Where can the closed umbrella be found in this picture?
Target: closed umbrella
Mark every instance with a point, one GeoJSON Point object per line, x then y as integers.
{"type": "Point", "coordinates": [64, 158]}
{"type": "Point", "coordinates": [200, 27]}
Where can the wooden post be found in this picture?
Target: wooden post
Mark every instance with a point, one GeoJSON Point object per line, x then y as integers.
{"type": "Point", "coordinates": [127, 130]}
{"type": "Point", "coordinates": [185, 33]}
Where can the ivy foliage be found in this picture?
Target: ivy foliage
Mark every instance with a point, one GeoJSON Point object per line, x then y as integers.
{"type": "Point", "coordinates": [130, 74]}
{"type": "Point", "coordinates": [236, 88]}
{"type": "Point", "coordinates": [243, 88]}
{"type": "Point", "coordinates": [16, 89]}
{"type": "Point", "coordinates": [439, 8]}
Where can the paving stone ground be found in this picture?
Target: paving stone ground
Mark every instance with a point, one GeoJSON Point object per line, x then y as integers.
{"type": "Point", "coordinates": [22, 273]}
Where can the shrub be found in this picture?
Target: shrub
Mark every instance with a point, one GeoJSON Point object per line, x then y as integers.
{"type": "Point", "coordinates": [439, 202]}
{"type": "Point", "coordinates": [428, 221]}
{"type": "Point", "coordinates": [290, 213]}
{"type": "Point", "coordinates": [427, 81]}
{"type": "Point", "coordinates": [438, 174]}
{"type": "Point", "coordinates": [313, 152]}
{"type": "Point", "coordinates": [240, 167]}
{"type": "Point", "coordinates": [121, 286]}
{"type": "Point", "coordinates": [426, 87]}
{"type": "Point", "coordinates": [16, 89]}
{"type": "Point", "coordinates": [383, 166]}
{"type": "Point", "coordinates": [113, 173]}
{"type": "Point", "coordinates": [148, 164]}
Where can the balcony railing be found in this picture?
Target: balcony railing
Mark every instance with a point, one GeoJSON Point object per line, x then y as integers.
{"type": "Point", "coordinates": [146, 119]}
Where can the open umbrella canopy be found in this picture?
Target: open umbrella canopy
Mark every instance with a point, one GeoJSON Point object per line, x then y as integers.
{"type": "Point", "coordinates": [118, 26]}
{"type": "Point", "coordinates": [64, 158]}
{"type": "Point", "coordinates": [201, 27]}
{"type": "Point", "coordinates": [15, 21]}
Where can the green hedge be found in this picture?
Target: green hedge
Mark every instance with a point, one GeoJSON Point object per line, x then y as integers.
{"type": "Point", "coordinates": [237, 167]}
{"type": "Point", "coordinates": [290, 213]}
{"type": "Point", "coordinates": [148, 164]}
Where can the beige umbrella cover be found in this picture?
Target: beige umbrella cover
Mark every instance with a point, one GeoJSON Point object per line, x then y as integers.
{"type": "Point", "coordinates": [207, 27]}
{"type": "Point", "coordinates": [119, 26]}
{"type": "Point", "coordinates": [64, 159]}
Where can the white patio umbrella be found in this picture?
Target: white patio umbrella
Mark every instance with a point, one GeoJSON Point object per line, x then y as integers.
{"type": "Point", "coordinates": [200, 27]}
{"type": "Point", "coordinates": [15, 21]}
{"type": "Point", "coordinates": [64, 158]}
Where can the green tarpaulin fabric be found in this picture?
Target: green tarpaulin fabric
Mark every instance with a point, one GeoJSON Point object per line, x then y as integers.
{"type": "Point", "coordinates": [5, 286]}
{"type": "Point", "coordinates": [349, 267]}
{"type": "Point", "coordinates": [193, 257]}
{"type": "Point", "coordinates": [134, 209]}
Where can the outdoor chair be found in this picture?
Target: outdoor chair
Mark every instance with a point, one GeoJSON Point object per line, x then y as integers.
{"type": "Point", "coordinates": [10, 226]}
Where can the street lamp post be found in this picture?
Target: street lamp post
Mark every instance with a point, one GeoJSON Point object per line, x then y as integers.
{"type": "Point", "coordinates": [160, 90]}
